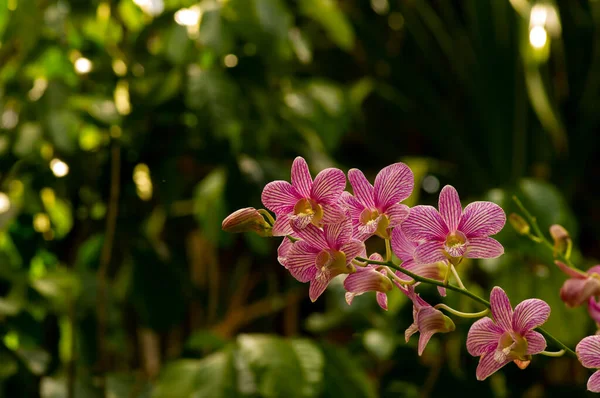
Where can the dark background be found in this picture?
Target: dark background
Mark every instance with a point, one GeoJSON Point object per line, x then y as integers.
{"type": "Point", "coordinates": [116, 279]}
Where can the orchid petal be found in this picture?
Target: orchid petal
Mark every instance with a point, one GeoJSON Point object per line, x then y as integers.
{"type": "Point", "coordinates": [488, 365]}
{"type": "Point", "coordinates": [337, 234]}
{"type": "Point", "coordinates": [376, 257]}
{"type": "Point", "coordinates": [424, 223]}
{"type": "Point", "coordinates": [362, 188]}
{"type": "Point", "coordinates": [484, 248]}
{"type": "Point", "coordinates": [403, 248]}
{"type": "Point", "coordinates": [283, 250]}
{"type": "Point", "coordinates": [430, 321]}
{"type": "Point", "coordinates": [332, 213]}
{"type": "Point", "coordinates": [483, 337]}
{"type": "Point", "coordinates": [501, 308]}
{"type": "Point", "coordinates": [397, 213]}
{"type": "Point", "coordinates": [450, 208]}
{"type": "Point", "coordinates": [536, 343]}
{"type": "Point", "coordinates": [313, 236]}
{"type": "Point", "coordinates": [282, 226]}
{"type": "Point", "coordinates": [365, 279]}
{"type": "Point", "coordinates": [353, 249]}
{"type": "Point", "coordinates": [393, 184]}
{"type": "Point", "coordinates": [429, 253]}
{"type": "Point", "coordinates": [412, 329]}
{"type": "Point", "coordinates": [575, 292]}
{"type": "Point", "coordinates": [593, 383]}
{"type": "Point", "coordinates": [431, 270]}
{"type": "Point", "coordinates": [588, 351]}
{"type": "Point", "coordinates": [571, 272]}
{"type": "Point", "coordinates": [382, 300]}
{"type": "Point", "coordinates": [280, 197]}
{"type": "Point", "coordinates": [301, 261]}
{"type": "Point", "coordinates": [328, 186]}
{"type": "Point", "coordinates": [301, 179]}
{"type": "Point", "coordinates": [318, 286]}
{"type": "Point", "coordinates": [530, 314]}
{"type": "Point", "coordinates": [594, 309]}
{"type": "Point", "coordinates": [482, 219]}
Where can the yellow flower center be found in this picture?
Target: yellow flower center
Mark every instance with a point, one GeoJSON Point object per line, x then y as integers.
{"type": "Point", "coordinates": [309, 209]}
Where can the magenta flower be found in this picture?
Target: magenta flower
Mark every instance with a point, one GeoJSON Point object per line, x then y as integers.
{"type": "Point", "coordinates": [510, 337]}
{"type": "Point", "coordinates": [370, 278]}
{"type": "Point", "coordinates": [305, 202]}
{"type": "Point", "coordinates": [404, 249]}
{"type": "Point", "coordinates": [426, 319]}
{"type": "Point", "coordinates": [283, 250]}
{"type": "Point", "coordinates": [588, 353]}
{"type": "Point", "coordinates": [453, 233]}
{"type": "Point", "coordinates": [321, 255]}
{"type": "Point", "coordinates": [375, 209]}
{"type": "Point", "coordinates": [581, 286]}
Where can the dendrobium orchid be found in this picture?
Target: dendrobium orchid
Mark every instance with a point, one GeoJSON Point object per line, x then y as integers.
{"type": "Point", "coordinates": [305, 202]}
{"type": "Point", "coordinates": [375, 209]}
{"type": "Point", "coordinates": [426, 319]}
{"type": "Point", "coordinates": [588, 353]}
{"type": "Point", "coordinates": [404, 249]}
{"type": "Point", "coordinates": [581, 286]}
{"type": "Point", "coordinates": [453, 233]}
{"type": "Point", "coordinates": [370, 278]}
{"type": "Point", "coordinates": [322, 254]}
{"type": "Point", "coordinates": [510, 336]}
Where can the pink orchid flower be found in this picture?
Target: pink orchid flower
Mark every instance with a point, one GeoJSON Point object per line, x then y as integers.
{"type": "Point", "coordinates": [375, 209]}
{"type": "Point", "coordinates": [321, 255]}
{"type": "Point", "coordinates": [453, 233]}
{"type": "Point", "coordinates": [581, 286]}
{"type": "Point", "coordinates": [367, 279]}
{"type": "Point", "coordinates": [510, 336]}
{"type": "Point", "coordinates": [426, 319]}
{"type": "Point", "coordinates": [283, 250]}
{"type": "Point", "coordinates": [588, 353]}
{"type": "Point", "coordinates": [305, 202]}
{"type": "Point", "coordinates": [404, 249]}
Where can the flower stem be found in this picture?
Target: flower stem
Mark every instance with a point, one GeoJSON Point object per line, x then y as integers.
{"type": "Point", "coordinates": [462, 314]}
{"type": "Point", "coordinates": [460, 284]}
{"type": "Point", "coordinates": [268, 215]}
{"type": "Point", "coordinates": [395, 277]}
{"type": "Point", "coordinates": [464, 292]}
{"type": "Point", "coordinates": [555, 354]}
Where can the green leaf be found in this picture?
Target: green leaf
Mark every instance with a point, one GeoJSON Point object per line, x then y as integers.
{"type": "Point", "coordinates": [344, 377]}
{"type": "Point", "coordinates": [209, 207]}
{"type": "Point", "coordinates": [333, 20]}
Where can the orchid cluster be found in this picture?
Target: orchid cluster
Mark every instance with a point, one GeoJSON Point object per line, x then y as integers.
{"type": "Point", "coordinates": [324, 229]}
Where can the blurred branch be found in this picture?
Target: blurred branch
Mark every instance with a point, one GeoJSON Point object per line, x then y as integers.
{"type": "Point", "coordinates": [105, 255]}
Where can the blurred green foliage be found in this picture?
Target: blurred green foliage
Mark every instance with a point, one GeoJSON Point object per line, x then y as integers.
{"type": "Point", "coordinates": [130, 128]}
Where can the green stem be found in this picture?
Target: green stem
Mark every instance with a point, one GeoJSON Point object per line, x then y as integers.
{"type": "Point", "coordinates": [388, 250]}
{"type": "Point", "coordinates": [268, 215]}
{"type": "Point", "coordinates": [464, 292]}
{"type": "Point", "coordinates": [458, 280]}
{"type": "Point", "coordinates": [462, 314]}
{"type": "Point", "coordinates": [553, 354]}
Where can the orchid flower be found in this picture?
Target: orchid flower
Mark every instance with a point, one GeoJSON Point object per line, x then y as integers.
{"type": "Point", "coordinates": [588, 353]}
{"type": "Point", "coordinates": [305, 202]}
{"type": "Point", "coordinates": [323, 254]}
{"type": "Point", "coordinates": [370, 278]}
{"type": "Point", "coordinates": [581, 286]}
{"type": "Point", "coordinates": [375, 209]}
{"type": "Point", "coordinates": [453, 233]}
{"type": "Point", "coordinates": [510, 336]}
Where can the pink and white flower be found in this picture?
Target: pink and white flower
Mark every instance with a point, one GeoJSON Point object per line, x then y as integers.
{"type": "Point", "coordinates": [375, 209]}
{"type": "Point", "coordinates": [510, 336]}
{"type": "Point", "coordinates": [588, 353]}
{"type": "Point", "coordinates": [323, 254]}
{"type": "Point", "coordinates": [305, 201]}
{"type": "Point", "coordinates": [372, 278]}
{"type": "Point", "coordinates": [581, 286]}
{"type": "Point", "coordinates": [453, 233]}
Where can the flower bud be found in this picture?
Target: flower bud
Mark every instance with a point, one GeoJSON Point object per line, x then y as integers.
{"type": "Point", "coordinates": [519, 224]}
{"type": "Point", "coordinates": [246, 220]}
{"type": "Point", "coordinates": [560, 236]}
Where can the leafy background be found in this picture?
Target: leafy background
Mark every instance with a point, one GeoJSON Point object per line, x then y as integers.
{"type": "Point", "coordinates": [116, 280]}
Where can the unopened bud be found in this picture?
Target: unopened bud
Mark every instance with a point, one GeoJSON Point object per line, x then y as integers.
{"type": "Point", "coordinates": [247, 220]}
{"type": "Point", "coordinates": [560, 236]}
{"type": "Point", "coordinates": [519, 224]}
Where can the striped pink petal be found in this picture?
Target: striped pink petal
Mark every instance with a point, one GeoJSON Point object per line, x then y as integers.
{"type": "Point", "coordinates": [301, 179]}
{"type": "Point", "coordinates": [588, 351]}
{"type": "Point", "coordinates": [574, 292]}
{"type": "Point", "coordinates": [424, 223]}
{"type": "Point", "coordinates": [353, 249]}
{"type": "Point", "coordinates": [431, 321]}
{"type": "Point", "coordinates": [530, 314]}
{"type": "Point", "coordinates": [282, 226]}
{"type": "Point", "coordinates": [501, 308]}
{"type": "Point", "coordinates": [283, 250]}
{"type": "Point", "coordinates": [432, 270]}
{"type": "Point", "coordinates": [429, 253]}
{"type": "Point", "coordinates": [571, 272]}
{"type": "Point", "coordinates": [313, 236]}
{"type": "Point", "coordinates": [397, 213]}
{"type": "Point", "coordinates": [483, 337]}
{"type": "Point", "coordinates": [280, 197]}
{"type": "Point", "coordinates": [488, 365]}
{"type": "Point", "coordinates": [367, 279]}
{"type": "Point", "coordinates": [337, 234]}
{"type": "Point", "coordinates": [301, 261]}
{"type": "Point", "coordinates": [593, 383]}
{"type": "Point", "coordinates": [393, 184]}
{"type": "Point", "coordinates": [403, 248]}
{"type": "Point", "coordinates": [376, 257]}
{"type": "Point", "coordinates": [362, 188]}
{"type": "Point", "coordinates": [594, 309]}
{"type": "Point", "coordinates": [484, 248]}
{"type": "Point", "coordinates": [382, 300]}
{"type": "Point", "coordinates": [318, 286]}
{"type": "Point", "coordinates": [482, 219]}
{"type": "Point", "coordinates": [536, 343]}
{"type": "Point", "coordinates": [450, 208]}
{"type": "Point", "coordinates": [328, 186]}
{"type": "Point", "coordinates": [333, 213]}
